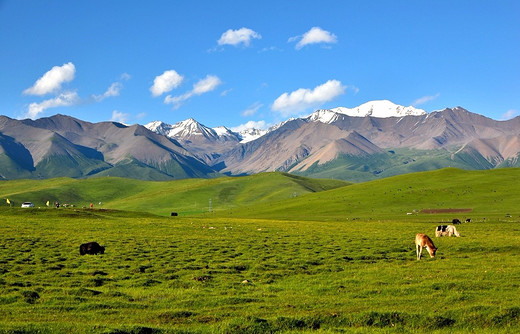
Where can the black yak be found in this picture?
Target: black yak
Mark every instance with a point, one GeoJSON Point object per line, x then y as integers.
{"type": "Point", "coordinates": [92, 248]}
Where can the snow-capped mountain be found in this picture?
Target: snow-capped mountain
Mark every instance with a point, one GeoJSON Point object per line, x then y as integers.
{"type": "Point", "coordinates": [251, 134]}
{"type": "Point", "coordinates": [190, 128]}
{"type": "Point", "coordinates": [328, 143]}
{"type": "Point", "coordinates": [380, 109]}
{"type": "Point", "coordinates": [323, 116]}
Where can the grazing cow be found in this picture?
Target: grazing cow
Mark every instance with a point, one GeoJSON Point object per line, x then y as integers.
{"type": "Point", "coordinates": [422, 240]}
{"type": "Point", "coordinates": [468, 220]}
{"type": "Point", "coordinates": [446, 230]}
{"type": "Point", "coordinates": [91, 248]}
{"type": "Point", "coordinates": [455, 221]}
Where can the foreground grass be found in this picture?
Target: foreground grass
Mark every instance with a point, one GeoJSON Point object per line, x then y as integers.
{"type": "Point", "coordinates": [245, 275]}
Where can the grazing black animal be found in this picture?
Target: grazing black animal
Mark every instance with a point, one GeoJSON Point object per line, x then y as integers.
{"type": "Point", "coordinates": [455, 221]}
{"type": "Point", "coordinates": [468, 220]}
{"type": "Point", "coordinates": [91, 248]}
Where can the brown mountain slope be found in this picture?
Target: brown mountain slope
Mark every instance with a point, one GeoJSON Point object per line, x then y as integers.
{"type": "Point", "coordinates": [293, 143]}
{"type": "Point", "coordinates": [92, 147]}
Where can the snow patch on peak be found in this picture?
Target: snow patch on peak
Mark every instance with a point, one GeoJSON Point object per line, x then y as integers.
{"type": "Point", "coordinates": [222, 131]}
{"type": "Point", "coordinates": [158, 127]}
{"type": "Point", "coordinates": [191, 127]}
{"type": "Point", "coordinates": [380, 109]}
{"type": "Point", "coordinates": [323, 116]}
{"type": "Point", "coordinates": [251, 134]}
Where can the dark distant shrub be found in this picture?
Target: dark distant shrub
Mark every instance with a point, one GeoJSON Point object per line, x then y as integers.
{"type": "Point", "coordinates": [172, 316]}
{"type": "Point", "coordinates": [87, 292]}
{"type": "Point", "coordinates": [248, 325]}
{"type": "Point", "coordinates": [30, 296]}
{"type": "Point", "coordinates": [439, 322]}
{"type": "Point", "coordinates": [511, 315]}
{"type": "Point", "coordinates": [137, 330]}
{"type": "Point", "coordinates": [385, 319]}
{"type": "Point", "coordinates": [289, 324]}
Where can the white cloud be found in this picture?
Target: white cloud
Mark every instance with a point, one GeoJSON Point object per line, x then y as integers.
{"type": "Point", "coordinates": [271, 48]}
{"type": "Point", "coordinates": [209, 83]}
{"type": "Point", "coordinates": [119, 117]}
{"type": "Point", "coordinates": [240, 36]}
{"type": "Point", "coordinates": [314, 36]}
{"type": "Point", "coordinates": [51, 81]}
{"type": "Point", "coordinates": [251, 124]}
{"type": "Point", "coordinates": [113, 90]}
{"type": "Point", "coordinates": [166, 82]}
{"type": "Point", "coordinates": [304, 98]}
{"type": "Point", "coordinates": [425, 99]}
{"type": "Point", "coordinates": [252, 109]}
{"type": "Point", "coordinates": [509, 114]}
{"type": "Point", "coordinates": [65, 99]}
{"type": "Point", "coordinates": [226, 92]}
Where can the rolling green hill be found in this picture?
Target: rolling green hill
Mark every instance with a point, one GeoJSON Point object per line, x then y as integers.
{"type": "Point", "coordinates": [187, 196]}
{"type": "Point", "coordinates": [490, 192]}
{"type": "Point", "coordinates": [286, 196]}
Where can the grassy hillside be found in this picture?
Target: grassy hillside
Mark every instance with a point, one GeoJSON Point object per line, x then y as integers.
{"type": "Point", "coordinates": [491, 192]}
{"type": "Point", "coordinates": [394, 162]}
{"type": "Point", "coordinates": [184, 196]}
{"type": "Point", "coordinates": [285, 196]}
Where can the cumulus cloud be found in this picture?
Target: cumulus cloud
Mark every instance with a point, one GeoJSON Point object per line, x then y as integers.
{"type": "Point", "coordinates": [51, 81]}
{"type": "Point", "coordinates": [314, 36]}
{"type": "Point", "coordinates": [166, 82]}
{"type": "Point", "coordinates": [119, 117]}
{"type": "Point", "coordinates": [64, 99]}
{"type": "Point", "coordinates": [304, 98]}
{"type": "Point", "coordinates": [252, 109]}
{"type": "Point", "coordinates": [250, 125]}
{"type": "Point", "coordinates": [425, 99]}
{"type": "Point", "coordinates": [113, 90]}
{"type": "Point", "coordinates": [240, 36]}
{"type": "Point", "coordinates": [509, 114]}
{"type": "Point", "coordinates": [209, 83]}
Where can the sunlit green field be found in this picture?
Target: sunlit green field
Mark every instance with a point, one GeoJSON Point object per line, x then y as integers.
{"type": "Point", "coordinates": [166, 274]}
{"type": "Point", "coordinates": [276, 254]}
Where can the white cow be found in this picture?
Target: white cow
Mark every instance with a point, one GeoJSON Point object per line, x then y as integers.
{"type": "Point", "coordinates": [446, 230]}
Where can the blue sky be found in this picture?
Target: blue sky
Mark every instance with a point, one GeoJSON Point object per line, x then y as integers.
{"type": "Point", "coordinates": [233, 62]}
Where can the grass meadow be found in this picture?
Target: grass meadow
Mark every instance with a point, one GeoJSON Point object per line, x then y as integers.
{"type": "Point", "coordinates": [193, 275]}
{"type": "Point", "coordinates": [214, 273]}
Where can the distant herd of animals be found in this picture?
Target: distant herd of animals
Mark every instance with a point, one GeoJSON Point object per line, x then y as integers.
{"type": "Point", "coordinates": [421, 241]}
{"type": "Point", "coordinates": [424, 241]}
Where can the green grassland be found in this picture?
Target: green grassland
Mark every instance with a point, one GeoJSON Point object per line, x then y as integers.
{"type": "Point", "coordinates": [187, 196]}
{"type": "Point", "coordinates": [487, 194]}
{"type": "Point", "coordinates": [279, 254]}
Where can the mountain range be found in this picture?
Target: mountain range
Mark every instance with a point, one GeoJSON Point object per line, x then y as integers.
{"type": "Point", "coordinates": [376, 139]}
